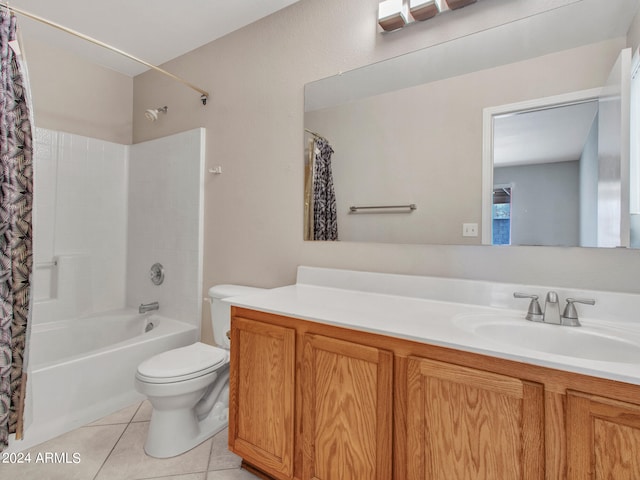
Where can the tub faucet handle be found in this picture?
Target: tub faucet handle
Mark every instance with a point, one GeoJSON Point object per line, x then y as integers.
{"type": "Point", "coordinates": [534, 313]}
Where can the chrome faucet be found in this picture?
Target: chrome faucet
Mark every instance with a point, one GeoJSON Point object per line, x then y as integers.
{"type": "Point", "coordinates": [551, 309]}
{"type": "Point", "coordinates": [551, 312]}
{"type": "Point", "coordinates": [147, 307]}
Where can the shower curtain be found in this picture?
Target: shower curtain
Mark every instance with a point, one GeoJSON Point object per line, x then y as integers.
{"type": "Point", "coordinates": [16, 254]}
{"type": "Point", "coordinates": [325, 217]}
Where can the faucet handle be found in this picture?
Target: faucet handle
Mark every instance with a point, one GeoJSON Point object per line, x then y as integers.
{"type": "Point", "coordinates": [570, 314]}
{"type": "Point", "coordinates": [534, 313]}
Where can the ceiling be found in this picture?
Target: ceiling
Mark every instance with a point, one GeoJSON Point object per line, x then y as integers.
{"type": "Point", "coordinates": [555, 134]}
{"type": "Point", "coordinates": [153, 30]}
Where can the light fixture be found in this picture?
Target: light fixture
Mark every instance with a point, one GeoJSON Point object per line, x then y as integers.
{"type": "Point", "coordinates": [425, 9]}
{"type": "Point", "coordinates": [392, 14]}
{"type": "Point", "coordinates": [396, 14]}
{"type": "Point", "coordinates": [455, 4]}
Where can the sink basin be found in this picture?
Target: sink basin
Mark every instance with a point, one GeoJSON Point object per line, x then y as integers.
{"type": "Point", "coordinates": [586, 342]}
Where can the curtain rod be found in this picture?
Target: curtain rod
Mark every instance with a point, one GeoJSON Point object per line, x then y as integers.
{"type": "Point", "coordinates": [204, 93]}
{"type": "Point", "coordinates": [314, 134]}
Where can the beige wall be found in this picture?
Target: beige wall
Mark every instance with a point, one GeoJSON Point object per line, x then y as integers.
{"type": "Point", "coordinates": [634, 33]}
{"type": "Point", "coordinates": [74, 95]}
{"type": "Point", "coordinates": [254, 122]}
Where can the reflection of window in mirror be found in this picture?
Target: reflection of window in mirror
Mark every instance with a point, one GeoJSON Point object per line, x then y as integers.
{"type": "Point", "coordinates": [501, 214]}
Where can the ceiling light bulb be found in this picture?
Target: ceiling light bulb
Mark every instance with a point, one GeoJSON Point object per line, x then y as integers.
{"type": "Point", "coordinates": [425, 9]}
{"type": "Point", "coordinates": [392, 14]}
{"type": "Point", "coordinates": [454, 4]}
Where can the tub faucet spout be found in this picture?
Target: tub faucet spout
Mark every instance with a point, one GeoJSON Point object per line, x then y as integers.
{"type": "Point", "coordinates": [147, 307]}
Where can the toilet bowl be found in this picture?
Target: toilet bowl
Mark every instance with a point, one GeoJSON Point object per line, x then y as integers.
{"type": "Point", "coordinates": [188, 387]}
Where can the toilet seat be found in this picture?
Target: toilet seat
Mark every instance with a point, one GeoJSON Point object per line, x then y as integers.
{"type": "Point", "coordinates": [180, 364]}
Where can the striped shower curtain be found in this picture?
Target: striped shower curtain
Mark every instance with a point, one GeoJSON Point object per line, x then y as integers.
{"type": "Point", "coordinates": [16, 254]}
{"type": "Point", "coordinates": [325, 216]}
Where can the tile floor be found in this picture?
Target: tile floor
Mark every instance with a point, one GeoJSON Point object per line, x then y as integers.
{"type": "Point", "coordinates": [112, 449]}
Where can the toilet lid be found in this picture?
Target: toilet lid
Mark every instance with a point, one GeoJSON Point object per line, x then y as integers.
{"type": "Point", "coordinates": [190, 361]}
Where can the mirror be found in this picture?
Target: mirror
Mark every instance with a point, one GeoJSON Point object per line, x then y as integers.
{"type": "Point", "coordinates": [409, 130]}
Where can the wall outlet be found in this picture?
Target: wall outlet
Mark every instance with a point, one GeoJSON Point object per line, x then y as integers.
{"type": "Point", "coordinates": [469, 229]}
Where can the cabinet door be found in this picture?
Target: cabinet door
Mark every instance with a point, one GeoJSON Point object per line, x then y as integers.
{"type": "Point", "coordinates": [261, 402]}
{"type": "Point", "coordinates": [465, 423]}
{"type": "Point", "coordinates": [603, 438]}
{"type": "Point", "coordinates": [347, 410]}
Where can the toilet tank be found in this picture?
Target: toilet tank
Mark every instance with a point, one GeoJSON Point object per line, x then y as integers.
{"type": "Point", "coordinates": [221, 311]}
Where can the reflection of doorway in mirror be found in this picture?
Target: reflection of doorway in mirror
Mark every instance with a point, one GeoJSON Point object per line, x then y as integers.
{"type": "Point", "coordinates": [501, 215]}
{"type": "Point", "coordinates": [572, 151]}
{"type": "Point", "coordinates": [544, 152]}
{"type": "Point", "coordinates": [554, 149]}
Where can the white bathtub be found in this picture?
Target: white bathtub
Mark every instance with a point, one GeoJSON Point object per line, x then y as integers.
{"type": "Point", "coordinates": [83, 369]}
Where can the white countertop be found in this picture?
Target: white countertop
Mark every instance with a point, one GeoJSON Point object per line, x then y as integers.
{"type": "Point", "coordinates": [430, 321]}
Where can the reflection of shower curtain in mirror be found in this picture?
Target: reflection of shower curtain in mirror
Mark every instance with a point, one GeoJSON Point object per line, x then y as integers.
{"type": "Point", "coordinates": [16, 254]}
{"type": "Point", "coordinates": [320, 200]}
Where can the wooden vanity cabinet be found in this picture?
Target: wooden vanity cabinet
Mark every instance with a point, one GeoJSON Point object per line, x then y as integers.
{"type": "Point", "coordinates": [466, 423]}
{"type": "Point", "coordinates": [346, 410]}
{"type": "Point", "coordinates": [603, 438]}
{"type": "Point", "coordinates": [262, 395]}
{"type": "Point", "coordinates": [310, 401]}
{"type": "Point", "coordinates": [342, 389]}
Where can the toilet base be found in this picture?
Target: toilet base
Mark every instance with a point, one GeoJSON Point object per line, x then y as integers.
{"type": "Point", "coordinates": [174, 432]}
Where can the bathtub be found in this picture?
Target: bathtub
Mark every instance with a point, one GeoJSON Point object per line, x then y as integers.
{"type": "Point", "coordinates": [83, 369]}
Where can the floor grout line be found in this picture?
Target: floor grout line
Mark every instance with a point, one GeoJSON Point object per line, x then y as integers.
{"type": "Point", "coordinates": [116, 442]}
{"type": "Point", "coordinates": [178, 475]}
{"type": "Point", "coordinates": [211, 460]}
{"type": "Point", "coordinates": [210, 454]}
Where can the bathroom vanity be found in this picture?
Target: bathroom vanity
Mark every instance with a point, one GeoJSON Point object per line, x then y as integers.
{"type": "Point", "coordinates": [351, 375]}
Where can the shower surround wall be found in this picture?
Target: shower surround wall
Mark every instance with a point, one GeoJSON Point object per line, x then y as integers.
{"type": "Point", "coordinates": [165, 224]}
{"type": "Point", "coordinates": [104, 213]}
{"type": "Point", "coordinates": [80, 222]}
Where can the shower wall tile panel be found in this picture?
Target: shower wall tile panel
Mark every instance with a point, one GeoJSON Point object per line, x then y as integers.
{"type": "Point", "coordinates": [46, 159]}
{"type": "Point", "coordinates": [45, 166]}
{"type": "Point", "coordinates": [165, 224]}
{"type": "Point", "coordinates": [80, 209]}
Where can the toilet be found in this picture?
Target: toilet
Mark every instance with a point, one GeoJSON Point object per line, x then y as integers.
{"type": "Point", "coordinates": [188, 387]}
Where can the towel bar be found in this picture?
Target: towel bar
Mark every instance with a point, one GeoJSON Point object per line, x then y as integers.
{"type": "Point", "coordinates": [411, 207]}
